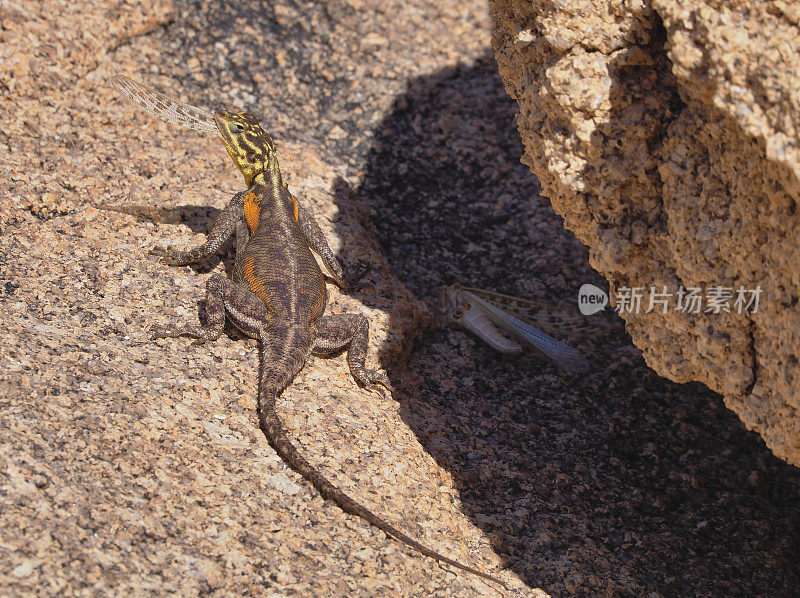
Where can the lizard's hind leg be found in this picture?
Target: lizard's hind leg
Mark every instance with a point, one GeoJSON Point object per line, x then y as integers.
{"type": "Point", "coordinates": [350, 331]}
{"type": "Point", "coordinates": [223, 296]}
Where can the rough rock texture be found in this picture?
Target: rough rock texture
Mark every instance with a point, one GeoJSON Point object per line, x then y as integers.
{"type": "Point", "coordinates": [666, 134]}
{"type": "Point", "coordinates": [132, 466]}
{"type": "Point", "coordinates": [136, 468]}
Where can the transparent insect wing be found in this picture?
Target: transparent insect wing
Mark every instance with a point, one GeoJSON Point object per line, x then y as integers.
{"type": "Point", "coordinates": [549, 319]}
{"type": "Point", "coordinates": [565, 356]}
{"type": "Point", "coordinates": [165, 107]}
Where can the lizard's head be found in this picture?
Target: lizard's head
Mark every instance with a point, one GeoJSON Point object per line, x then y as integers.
{"type": "Point", "coordinates": [250, 146]}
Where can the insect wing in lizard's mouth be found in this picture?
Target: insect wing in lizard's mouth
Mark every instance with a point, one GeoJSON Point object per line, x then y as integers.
{"type": "Point", "coordinates": [163, 106]}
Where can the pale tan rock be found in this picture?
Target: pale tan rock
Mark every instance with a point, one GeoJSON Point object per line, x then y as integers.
{"type": "Point", "coordinates": [672, 151]}
{"type": "Point", "coordinates": [134, 467]}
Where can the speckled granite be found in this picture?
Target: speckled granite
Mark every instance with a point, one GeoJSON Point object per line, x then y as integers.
{"type": "Point", "coordinates": [129, 467]}
{"type": "Point", "coordinates": [667, 134]}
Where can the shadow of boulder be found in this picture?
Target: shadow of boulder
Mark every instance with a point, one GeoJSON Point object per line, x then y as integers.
{"type": "Point", "coordinates": [615, 483]}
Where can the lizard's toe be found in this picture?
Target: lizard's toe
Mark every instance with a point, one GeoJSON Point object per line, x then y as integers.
{"type": "Point", "coordinates": [159, 250]}
{"type": "Point", "coordinates": [355, 279]}
{"type": "Point", "coordinates": [163, 332]}
{"type": "Point", "coordinates": [171, 257]}
{"type": "Point", "coordinates": [378, 382]}
{"type": "Point", "coordinates": [196, 332]}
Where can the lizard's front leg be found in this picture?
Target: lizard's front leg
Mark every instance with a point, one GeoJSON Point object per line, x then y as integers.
{"type": "Point", "coordinates": [317, 242]}
{"type": "Point", "coordinates": [242, 236]}
{"type": "Point", "coordinates": [336, 332]}
{"type": "Point", "coordinates": [222, 230]}
{"type": "Point", "coordinates": [225, 297]}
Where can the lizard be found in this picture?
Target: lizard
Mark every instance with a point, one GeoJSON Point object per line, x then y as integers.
{"type": "Point", "coordinates": [277, 292]}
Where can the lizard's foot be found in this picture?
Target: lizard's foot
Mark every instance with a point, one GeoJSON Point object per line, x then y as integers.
{"type": "Point", "coordinates": [338, 331]}
{"type": "Point", "coordinates": [172, 257]}
{"type": "Point", "coordinates": [199, 333]}
{"type": "Point", "coordinates": [377, 381]}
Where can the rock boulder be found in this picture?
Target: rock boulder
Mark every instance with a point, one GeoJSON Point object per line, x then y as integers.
{"type": "Point", "coordinates": [667, 138]}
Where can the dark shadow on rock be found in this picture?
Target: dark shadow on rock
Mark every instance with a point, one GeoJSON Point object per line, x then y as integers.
{"type": "Point", "coordinates": [615, 483]}
{"type": "Point", "coordinates": [199, 219]}
{"type": "Point", "coordinates": [195, 217]}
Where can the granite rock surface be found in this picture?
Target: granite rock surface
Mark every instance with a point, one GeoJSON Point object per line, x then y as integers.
{"type": "Point", "coordinates": [132, 467]}
{"type": "Point", "coordinates": [666, 134]}
{"type": "Point", "coordinates": [135, 466]}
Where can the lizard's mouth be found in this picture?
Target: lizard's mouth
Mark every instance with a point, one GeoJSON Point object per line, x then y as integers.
{"type": "Point", "coordinates": [222, 128]}
{"type": "Point", "coordinates": [225, 134]}
{"type": "Point", "coordinates": [232, 144]}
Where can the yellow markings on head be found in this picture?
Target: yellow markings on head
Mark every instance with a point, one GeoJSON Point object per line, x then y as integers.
{"type": "Point", "coordinates": [252, 210]}
{"type": "Point", "coordinates": [249, 146]}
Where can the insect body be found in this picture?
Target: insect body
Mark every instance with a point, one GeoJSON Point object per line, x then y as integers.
{"type": "Point", "coordinates": [506, 324]}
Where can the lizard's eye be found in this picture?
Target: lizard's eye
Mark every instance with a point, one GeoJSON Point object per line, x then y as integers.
{"type": "Point", "coordinates": [458, 314]}
{"type": "Point", "coordinates": [251, 158]}
{"type": "Point", "coordinates": [235, 128]}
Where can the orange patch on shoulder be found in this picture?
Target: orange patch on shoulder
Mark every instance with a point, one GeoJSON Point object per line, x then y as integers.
{"type": "Point", "coordinates": [252, 210]}
{"type": "Point", "coordinates": [296, 209]}
{"type": "Point", "coordinates": [319, 306]}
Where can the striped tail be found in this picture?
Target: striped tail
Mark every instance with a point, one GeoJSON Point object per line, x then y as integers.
{"type": "Point", "coordinates": [274, 377]}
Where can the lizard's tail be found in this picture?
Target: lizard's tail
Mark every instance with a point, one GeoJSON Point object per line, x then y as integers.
{"type": "Point", "coordinates": [274, 378]}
